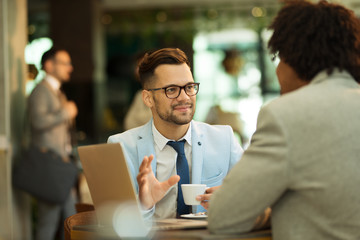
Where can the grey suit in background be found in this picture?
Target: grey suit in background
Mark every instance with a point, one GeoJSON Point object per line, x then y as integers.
{"type": "Point", "coordinates": [49, 127]}
{"type": "Point", "coordinates": [49, 121]}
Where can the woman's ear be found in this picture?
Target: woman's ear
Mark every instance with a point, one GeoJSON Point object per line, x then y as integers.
{"type": "Point", "coordinates": [147, 98]}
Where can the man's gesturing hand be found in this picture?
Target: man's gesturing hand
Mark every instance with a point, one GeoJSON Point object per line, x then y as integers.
{"type": "Point", "coordinates": [150, 189]}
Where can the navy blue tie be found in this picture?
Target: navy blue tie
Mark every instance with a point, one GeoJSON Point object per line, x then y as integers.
{"type": "Point", "coordinates": [182, 169]}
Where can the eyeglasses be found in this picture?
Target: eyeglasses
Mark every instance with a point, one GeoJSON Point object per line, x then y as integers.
{"type": "Point", "coordinates": [173, 91]}
{"type": "Point", "coordinates": [275, 56]}
{"type": "Point", "coordinates": [62, 62]}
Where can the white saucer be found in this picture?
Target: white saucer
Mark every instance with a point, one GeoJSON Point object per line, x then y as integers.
{"type": "Point", "coordinates": [192, 215]}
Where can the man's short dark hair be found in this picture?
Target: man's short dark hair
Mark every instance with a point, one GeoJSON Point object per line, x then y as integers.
{"type": "Point", "coordinates": [312, 37]}
{"type": "Point", "coordinates": [50, 55]}
{"type": "Point", "coordinates": [152, 60]}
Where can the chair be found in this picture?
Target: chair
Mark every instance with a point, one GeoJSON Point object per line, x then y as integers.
{"type": "Point", "coordinates": [84, 207]}
{"type": "Point", "coordinates": [81, 218]}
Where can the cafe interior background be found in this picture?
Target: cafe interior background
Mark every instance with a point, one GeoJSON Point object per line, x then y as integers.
{"type": "Point", "coordinates": [225, 41]}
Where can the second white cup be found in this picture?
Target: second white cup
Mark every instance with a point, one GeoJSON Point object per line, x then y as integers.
{"type": "Point", "coordinates": [190, 191]}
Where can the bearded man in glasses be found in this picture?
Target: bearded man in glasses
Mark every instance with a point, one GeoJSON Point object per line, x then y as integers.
{"type": "Point", "coordinates": [158, 165]}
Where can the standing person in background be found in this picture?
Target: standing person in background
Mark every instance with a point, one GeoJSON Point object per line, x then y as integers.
{"type": "Point", "coordinates": [51, 116]}
{"type": "Point", "coordinates": [138, 113]}
{"type": "Point", "coordinates": [172, 148]}
{"type": "Point", "coordinates": [303, 161]}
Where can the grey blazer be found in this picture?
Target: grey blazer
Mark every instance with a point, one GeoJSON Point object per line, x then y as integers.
{"type": "Point", "coordinates": [303, 162]}
{"type": "Point", "coordinates": [49, 122]}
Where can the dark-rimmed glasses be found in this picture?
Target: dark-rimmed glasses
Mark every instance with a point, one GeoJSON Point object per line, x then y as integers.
{"type": "Point", "coordinates": [62, 62]}
{"type": "Point", "coordinates": [275, 56]}
{"type": "Point", "coordinates": [173, 91]}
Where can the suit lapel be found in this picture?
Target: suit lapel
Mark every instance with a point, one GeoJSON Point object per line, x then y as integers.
{"type": "Point", "coordinates": [59, 95]}
{"type": "Point", "coordinates": [197, 154]}
{"type": "Point", "coordinates": [145, 145]}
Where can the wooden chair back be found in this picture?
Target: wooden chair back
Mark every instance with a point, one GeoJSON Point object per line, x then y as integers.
{"type": "Point", "coordinates": [81, 218]}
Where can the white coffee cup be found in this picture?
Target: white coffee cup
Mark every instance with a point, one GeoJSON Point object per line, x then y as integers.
{"type": "Point", "coordinates": [190, 191]}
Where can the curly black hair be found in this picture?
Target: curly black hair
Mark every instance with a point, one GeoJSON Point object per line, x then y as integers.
{"type": "Point", "coordinates": [312, 37]}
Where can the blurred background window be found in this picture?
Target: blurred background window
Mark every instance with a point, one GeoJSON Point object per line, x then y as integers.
{"type": "Point", "coordinates": [33, 53]}
{"type": "Point", "coordinates": [225, 41]}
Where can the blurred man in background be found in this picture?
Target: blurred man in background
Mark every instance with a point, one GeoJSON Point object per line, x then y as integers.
{"type": "Point", "coordinates": [51, 116]}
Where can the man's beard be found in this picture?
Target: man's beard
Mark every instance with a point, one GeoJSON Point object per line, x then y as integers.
{"type": "Point", "coordinates": [183, 119]}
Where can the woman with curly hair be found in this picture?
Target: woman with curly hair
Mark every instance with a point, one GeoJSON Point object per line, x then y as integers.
{"type": "Point", "coordinates": [302, 168]}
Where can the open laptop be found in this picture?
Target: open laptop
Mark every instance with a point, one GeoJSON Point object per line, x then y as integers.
{"type": "Point", "coordinates": [110, 184]}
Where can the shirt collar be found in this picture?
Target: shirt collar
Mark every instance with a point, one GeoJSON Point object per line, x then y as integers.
{"type": "Point", "coordinates": [53, 82]}
{"type": "Point", "coordinates": [161, 141]}
{"type": "Point", "coordinates": [323, 75]}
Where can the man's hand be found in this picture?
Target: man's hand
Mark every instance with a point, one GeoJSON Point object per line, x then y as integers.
{"type": "Point", "coordinates": [150, 189]}
{"type": "Point", "coordinates": [71, 108]}
{"type": "Point", "coordinates": [205, 198]}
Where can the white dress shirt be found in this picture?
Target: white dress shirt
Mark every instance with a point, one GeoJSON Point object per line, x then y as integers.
{"type": "Point", "coordinates": [166, 167]}
{"type": "Point", "coordinates": [53, 82]}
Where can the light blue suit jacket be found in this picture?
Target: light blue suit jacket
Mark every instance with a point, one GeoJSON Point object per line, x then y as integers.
{"type": "Point", "coordinates": [214, 151]}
